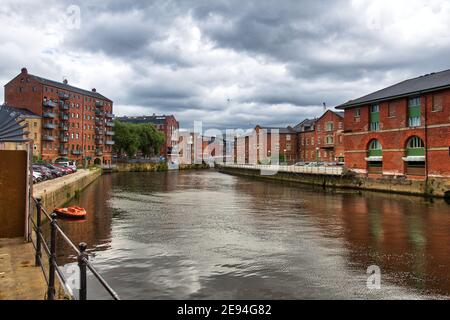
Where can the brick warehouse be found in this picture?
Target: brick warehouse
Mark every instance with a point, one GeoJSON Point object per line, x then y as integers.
{"type": "Point", "coordinates": [321, 139]}
{"type": "Point", "coordinates": [402, 130]}
{"type": "Point", "coordinates": [76, 124]}
{"type": "Point", "coordinates": [168, 125]}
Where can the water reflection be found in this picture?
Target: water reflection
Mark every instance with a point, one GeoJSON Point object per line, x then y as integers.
{"type": "Point", "coordinates": [202, 234]}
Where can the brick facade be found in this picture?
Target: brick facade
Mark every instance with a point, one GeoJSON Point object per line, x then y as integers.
{"type": "Point", "coordinates": [395, 131]}
{"type": "Point", "coordinates": [76, 124]}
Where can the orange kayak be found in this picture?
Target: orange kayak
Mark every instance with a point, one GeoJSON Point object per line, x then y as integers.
{"type": "Point", "coordinates": [71, 212]}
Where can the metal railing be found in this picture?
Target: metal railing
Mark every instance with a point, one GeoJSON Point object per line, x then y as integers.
{"type": "Point", "coordinates": [49, 248]}
{"type": "Point", "coordinates": [325, 170]}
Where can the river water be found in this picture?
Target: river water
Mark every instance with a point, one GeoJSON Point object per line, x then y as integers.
{"type": "Point", "coordinates": [207, 235]}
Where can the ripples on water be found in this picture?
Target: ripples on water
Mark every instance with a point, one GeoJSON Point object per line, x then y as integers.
{"type": "Point", "coordinates": [203, 234]}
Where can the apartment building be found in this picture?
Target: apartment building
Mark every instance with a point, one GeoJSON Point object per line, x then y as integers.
{"type": "Point", "coordinates": [77, 124]}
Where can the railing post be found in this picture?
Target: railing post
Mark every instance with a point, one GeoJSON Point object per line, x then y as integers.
{"type": "Point", "coordinates": [52, 259]}
{"type": "Point", "coordinates": [82, 261]}
{"type": "Point", "coordinates": [38, 233]}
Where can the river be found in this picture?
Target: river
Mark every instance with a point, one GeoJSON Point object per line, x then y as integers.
{"type": "Point", "coordinates": [208, 235]}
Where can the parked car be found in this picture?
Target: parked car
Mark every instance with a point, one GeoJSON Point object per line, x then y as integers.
{"type": "Point", "coordinates": [69, 164]}
{"type": "Point", "coordinates": [57, 171]}
{"type": "Point", "coordinates": [45, 172]}
{"type": "Point", "coordinates": [37, 177]}
{"type": "Point", "coordinates": [63, 168]}
{"type": "Point", "coordinates": [301, 164]}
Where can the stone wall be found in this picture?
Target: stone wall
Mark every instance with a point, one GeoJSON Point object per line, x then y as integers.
{"type": "Point", "coordinates": [436, 187]}
{"type": "Point", "coordinates": [56, 193]}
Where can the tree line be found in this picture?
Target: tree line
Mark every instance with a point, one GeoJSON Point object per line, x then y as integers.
{"type": "Point", "coordinates": [131, 139]}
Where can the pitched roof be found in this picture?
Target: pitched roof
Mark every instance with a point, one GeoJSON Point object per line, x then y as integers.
{"type": "Point", "coordinates": [22, 112]}
{"type": "Point", "coordinates": [305, 123]}
{"type": "Point", "coordinates": [11, 129]}
{"type": "Point", "coordinates": [145, 119]}
{"type": "Point", "coordinates": [280, 129]}
{"type": "Point", "coordinates": [425, 83]}
{"type": "Point", "coordinates": [67, 87]}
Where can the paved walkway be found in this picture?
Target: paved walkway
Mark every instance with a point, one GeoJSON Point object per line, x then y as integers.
{"type": "Point", "coordinates": [19, 278]}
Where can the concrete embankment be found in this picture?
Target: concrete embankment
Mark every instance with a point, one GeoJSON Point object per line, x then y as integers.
{"type": "Point", "coordinates": [435, 187]}
{"type": "Point", "coordinates": [151, 167]}
{"type": "Point", "coordinates": [57, 192]}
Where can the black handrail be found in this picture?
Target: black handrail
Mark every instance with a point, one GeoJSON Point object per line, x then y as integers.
{"type": "Point", "coordinates": [82, 256]}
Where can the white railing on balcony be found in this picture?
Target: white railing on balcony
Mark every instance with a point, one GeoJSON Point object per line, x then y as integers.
{"type": "Point", "coordinates": [326, 170]}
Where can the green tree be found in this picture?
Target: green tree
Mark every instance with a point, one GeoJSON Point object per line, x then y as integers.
{"type": "Point", "coordinates": [131, 138]}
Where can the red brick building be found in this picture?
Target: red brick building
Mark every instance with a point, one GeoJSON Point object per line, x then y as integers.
{"type": "Point", "coordinates": [77, 124]}
{"type": "Point", "coordinates": [256, 146]}
{"type": "Point", "coordinates": [168, 125]}
{"type": "Point", "coordinates": [402, 130]}
{"type": "Point", "coordinates": [306, 137]}
{"type": "Point", "coordinates": [321, 139]}
{"type": "Point", "coordinates": [329, 137]}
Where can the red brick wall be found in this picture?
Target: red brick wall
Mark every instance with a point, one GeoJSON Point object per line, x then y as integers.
{"type": "Point", "coordinates": [81, 119]}
{"type": "Point", "coordinates": [307, 146]}
{"type": "Point", "coordinates": [394, 134]}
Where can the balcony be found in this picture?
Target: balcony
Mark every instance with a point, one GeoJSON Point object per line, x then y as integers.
{"type": "Point", "coordinates": [49, 104]}
{"type": "Point", "coordinates": [99, 104]}
{"type": "Point", "coordinates": [109, 115]}
{"type": "Point", "coordinates": [64, 116]}
{"type": "Point", "coordinates": [98, 152]}
{"type": "Point", "coordinates": [49, 115]}
{"type": "Point", "coordinates": [63, 152]}
{"type": "Point", "coordinates": [99, 112]}
{"type": "Point", "coordinates": [47, 137]}
{"type": "Point", "coordinates": [63, 127]}
{"type": "Point", "coordinates": [109, 133]}
{"type": "Point", "coordinates": [110, 124]}
{"type": "Point", "coordinates": [63, 138]}
{"type": "Point", "coordinates": [109, 142]}
{"type": "Point", "coordinates": [49, 126]}
{"type": "Point", "coordinates": [64, 105]}
{"type": "Point", "coordinates": [98, 122]}
{"type": "Point", "coordinates": [63, 95]}
{"type": "Point", "coordinates": [98, 141]}
{"type": "Point", "coordinates": [77, 152]}
{"type": "Point", "coordinates": [98, 130]}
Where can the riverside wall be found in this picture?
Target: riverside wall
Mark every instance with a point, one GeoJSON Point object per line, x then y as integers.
{"type": "Point", "coordinates": [434, 187]}
{"type": "Point", "coordinates": [55, 193]}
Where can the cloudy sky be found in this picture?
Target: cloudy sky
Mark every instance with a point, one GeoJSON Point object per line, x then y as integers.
{"type": "Point", "coordinates": [230, 64]}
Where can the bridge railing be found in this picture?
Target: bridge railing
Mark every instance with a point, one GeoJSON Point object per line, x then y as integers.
{"type": "Point", "coordinates": [41, 245]}
{"type": "Point", "coordinates": [324, 170]}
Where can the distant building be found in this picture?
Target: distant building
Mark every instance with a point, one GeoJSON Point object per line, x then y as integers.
{"type": "Point", "coordinates": [401, 130]}
{"type": "Point", "coordinates": [306, 136]}
{"type": "Point", "coordinates": [33, 128]}
{"type": "Point", "coordinates": [167, 124]}
{"type": "Point", "coordinates": [256, 146]}
{"type": "Point", "coordinates": [76, 124]}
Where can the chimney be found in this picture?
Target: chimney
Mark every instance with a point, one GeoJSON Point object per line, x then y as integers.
{"type": "Point", "coordinates": [94, 90]}
{"type": "Point", "coordinates": [324, 106]}
{"type": "Point", "coordinates": [24, 70]}
{"type": "Point", "coordinates": [65, 81]}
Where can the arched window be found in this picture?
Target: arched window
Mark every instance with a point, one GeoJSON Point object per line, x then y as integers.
{"type": "Point", "coordinates": [415, 147]}
{"type": "Point", "coordinates": [375, 159]}
{"type": "Point", "coordinates": [375, 148]}
{"type": "Point", "coordinates": [415, 156]}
